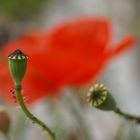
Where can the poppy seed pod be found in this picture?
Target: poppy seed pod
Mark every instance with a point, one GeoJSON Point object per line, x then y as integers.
{"type": "Point", "coordinates": [100, 97]}
{"type": "Point", "coordinates": [17, 65]}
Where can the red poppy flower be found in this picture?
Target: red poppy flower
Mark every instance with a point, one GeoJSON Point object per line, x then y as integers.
{"type": "Point", "coordinates": [72, 54]}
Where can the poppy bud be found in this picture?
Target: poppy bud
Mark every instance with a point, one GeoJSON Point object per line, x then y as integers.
{"type": "Point", "coordinates": [100, 97]}
{"type": "Point", "coordinates": [4, 121]}
{"type": "Point", "coordinates": [17, 65]}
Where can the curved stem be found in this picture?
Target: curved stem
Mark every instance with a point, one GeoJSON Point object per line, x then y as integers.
{"type": "Point", "coordinates": [30, 115]}
{"type": "Point", "coordinates": [127, 116]}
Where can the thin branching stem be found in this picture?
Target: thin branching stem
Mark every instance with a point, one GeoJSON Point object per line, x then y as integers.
{"type": "Point", "coordinates": [31, 116]}
{"type": "Point", "coordinates": [127, 116]}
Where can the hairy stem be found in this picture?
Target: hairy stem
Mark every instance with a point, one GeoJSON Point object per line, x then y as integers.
{"type": "Point", "coordinates": [31, 116]}
{"type": "Point", "coordinates": [127, 116]}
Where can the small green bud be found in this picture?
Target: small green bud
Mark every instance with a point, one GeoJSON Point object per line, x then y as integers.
{"type": "Point", "coordinates": [17, 65]}
{"type": "Point", "coordinates": [4, 120]}
{"type": "Point", "coordinates": [100, 97]}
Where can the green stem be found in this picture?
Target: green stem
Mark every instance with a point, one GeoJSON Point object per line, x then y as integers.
{"type": "Point", "coordinates": [30, 115]}
{"type": "Point", "coordinates": [127, 116]}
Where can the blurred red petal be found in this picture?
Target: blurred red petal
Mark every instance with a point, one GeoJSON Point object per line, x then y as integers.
{"type": "Point", "coordinates": [72, 54]}
{"type": "Point", "coordinates": [125, 44]}
{"type": "Point", "coordinates": [88, 36]}
{"type": "Point", "coordinates": [30, 43]}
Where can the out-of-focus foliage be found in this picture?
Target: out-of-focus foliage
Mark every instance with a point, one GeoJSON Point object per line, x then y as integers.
{"type": "Point", "coordinates": [21, 9]}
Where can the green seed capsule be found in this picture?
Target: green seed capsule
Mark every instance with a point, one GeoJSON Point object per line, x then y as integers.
{"type": "Point", "coordinates": [100, 97]}
{"type": "Point", "coordinates": [17, 65]}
